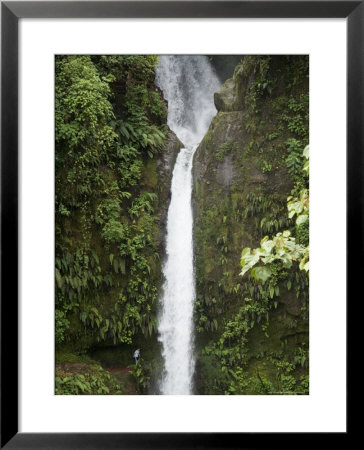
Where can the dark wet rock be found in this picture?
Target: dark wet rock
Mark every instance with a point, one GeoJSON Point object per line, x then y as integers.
{"type": "Point", "coordinates": [225, 99]}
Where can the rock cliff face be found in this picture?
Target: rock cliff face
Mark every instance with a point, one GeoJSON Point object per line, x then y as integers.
{"type": "Point", "coordinates": [241, 184]}
{"type": "Point", "coordinates": [224, 65]}
{"type": "Point", "coordinates": [114, 157]}
{"type": "Point", "coordinates": [157, 176]}
{"type": "Point", "coordinates": [164, 168]}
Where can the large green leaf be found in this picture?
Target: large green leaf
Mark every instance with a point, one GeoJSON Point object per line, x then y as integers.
{"type": "Point", "coordinates": [261, 273]}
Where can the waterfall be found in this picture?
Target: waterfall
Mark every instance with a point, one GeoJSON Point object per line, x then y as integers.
{"type": "Point", "coordinates": [188, 84]}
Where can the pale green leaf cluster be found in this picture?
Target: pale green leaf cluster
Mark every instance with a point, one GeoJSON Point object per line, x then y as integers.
{"type": "Point", "coordinates": [306, 154]}
{"type": "Point", "coordinates": [299, 207]}
{"type": "Point", "coordinates": [282, 247]}
{"type": "Point", "coordinates": [304, 263]}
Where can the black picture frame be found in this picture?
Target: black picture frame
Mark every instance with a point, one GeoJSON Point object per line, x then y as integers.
{"type": "Point", "coordinates": [11, 12]}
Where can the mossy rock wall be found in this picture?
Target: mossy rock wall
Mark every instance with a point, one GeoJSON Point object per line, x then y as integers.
{"type": "Point", "coordinates": [240, 187]}
{"type": "Point", "coordinates": [156, 177]}
{"type": "Point", "coordinates": [114, 164]}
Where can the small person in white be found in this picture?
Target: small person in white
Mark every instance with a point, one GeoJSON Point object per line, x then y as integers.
{"type": "Point", "coordinates": [136, 355]}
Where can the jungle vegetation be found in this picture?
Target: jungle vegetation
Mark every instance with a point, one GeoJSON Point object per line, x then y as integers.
{"type": "Point", "coordinates": [251, 231]}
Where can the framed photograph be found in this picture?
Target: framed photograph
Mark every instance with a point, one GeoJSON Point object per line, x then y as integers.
{"type": "Point", "coordinates": [179, 218]}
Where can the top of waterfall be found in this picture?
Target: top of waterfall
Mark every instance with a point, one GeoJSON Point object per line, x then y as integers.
{"type": "Point", "coordinates": [188, 83]}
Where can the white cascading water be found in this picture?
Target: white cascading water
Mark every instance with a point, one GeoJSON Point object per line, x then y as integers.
{"type": "Point", "coordinates": [188, 84]}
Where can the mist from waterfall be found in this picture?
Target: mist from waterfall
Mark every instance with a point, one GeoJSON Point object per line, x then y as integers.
{"type": "Point", "coordinates": [188, 84]}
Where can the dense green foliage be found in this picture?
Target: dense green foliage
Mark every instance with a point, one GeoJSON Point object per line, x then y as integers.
{"type": "Point", "coordinates": [283, 248]}
{"type": "Point", "coordinates": [250, 192]}
{"type": "Point", "coordinates": [253, 330]}
{"type": "Point", "coordinates": [92, 380]}
{"type": "Point", "coordinates": [110, 124]}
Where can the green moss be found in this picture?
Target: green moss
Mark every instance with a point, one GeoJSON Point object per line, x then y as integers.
{"type": "Point", "coordinates": [85, 379]}
{"type": "Point", "coordinates": [225, 149]}
{"type": "Point", "coordinates": [235, 206]}
{"type": "Point", "coordinates": [112, 196]}
{"type": "Point", "coordinates": [150, 175]}
{"type": "Point", "coordinates": [207, 140]}
{"type": "Point", "coordinates": [65, 356]}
